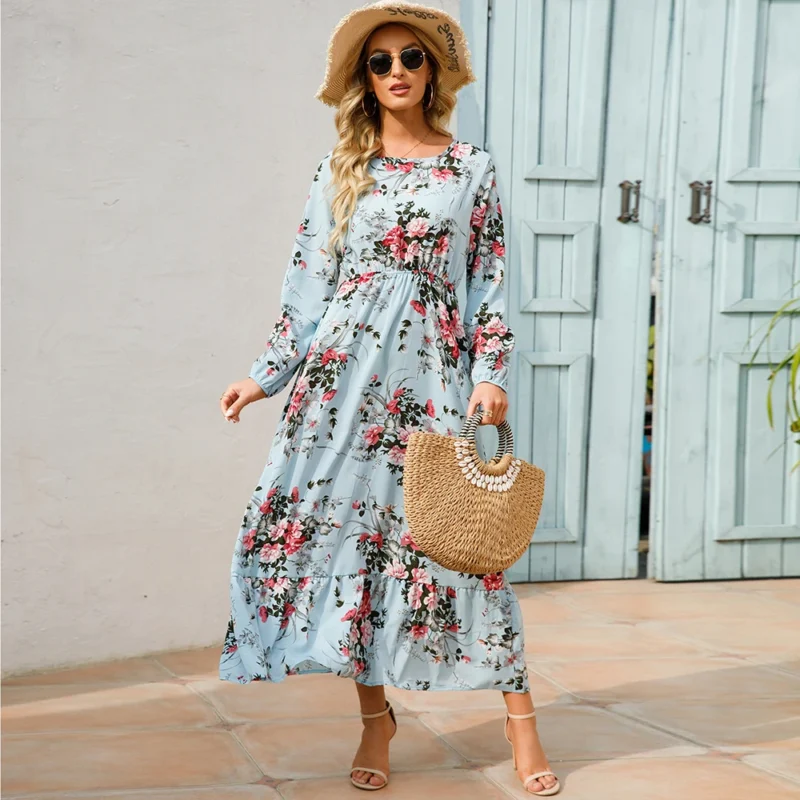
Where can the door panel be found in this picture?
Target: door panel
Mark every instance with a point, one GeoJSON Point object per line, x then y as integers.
{"type": "Point", "coordinates": [565, 50]}
{"type": "Point", "coordinates": [762, 92]}
{"type": "Point", "coordinates": [546, 129]}
{"type": "Point", "coordinates": [637, 82]}
{"type": "Point", "coordinates": [727, 501]}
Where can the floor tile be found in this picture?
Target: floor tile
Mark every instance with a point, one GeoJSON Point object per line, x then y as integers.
{"type": "Point", "coordinates": [792, 667]}
{"type": "Point", "coordinates": [786, 764]}
{"type": "Point", "coordinates": [131, 760]}
{"type": "Point", "coordinates": [17, 694]}
{"type": "Point", "coordinates": [31, 709]}
{"type": "Point", "coordinates": [192, 664]}
{"type": "Point", "coordinates": [624, 680]}
{"type": "Point", "coordinates": [541, 609]}
{"type": "Point", "coordinates": [762, 585]}
{"type": "Point", "coordinates": [792, 596]}
{"type": "Point", "coordinates": [697, 778]}
{"type": "Point", "coordinates": [194, 793]}
{"type": "Point", "coordinates": [327, 747]}
{"type": "Point", "coordinates": [614, 666]}
{"type": "Point", "coordinates": [297, 697]}
{"type": "Point", "coordinates": [630, 586]}
{"type": "Point", "coordinates": [561, 642]}
{"type": "Point", "coordinates": [740, 636]}
{"type": "Point", "coordinates": [457, 784]}
{"type": "Point", "coordinates": [567, 732]}
{"type": "Point", "coordinates": [691, 605]}
{"type": "Point", "coordinates": [767, 723]}
{"type": "Point", "coordinates": [446, 701]}
{"type": "Point", "coordinates": [133, 670]}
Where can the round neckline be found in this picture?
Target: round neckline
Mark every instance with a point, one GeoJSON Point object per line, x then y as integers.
{"type": "Point", "coordinates": [421, 159]}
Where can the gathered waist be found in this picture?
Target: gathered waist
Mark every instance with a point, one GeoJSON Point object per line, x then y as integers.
{"type": "Point", "coordinates": [354, 279]}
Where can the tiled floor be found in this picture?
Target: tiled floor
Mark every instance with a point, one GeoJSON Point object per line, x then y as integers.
{"type": "Point", "coordinates": [645, 692]}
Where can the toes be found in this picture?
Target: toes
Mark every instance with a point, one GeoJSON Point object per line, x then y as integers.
{"type": "Point", "coordinates": [367, 777]}
{"type": "Point", "coordinates": [541, 784]}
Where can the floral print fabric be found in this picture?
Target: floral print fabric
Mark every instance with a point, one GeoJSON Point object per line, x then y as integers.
{"type": "Point", "coordinates": [387, 338]}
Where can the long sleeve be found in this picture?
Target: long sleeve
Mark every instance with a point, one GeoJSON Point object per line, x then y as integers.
{"type": "Point", "coordinates": [308, 287]}
{"type": "Point", "coordinates": [490, 339]}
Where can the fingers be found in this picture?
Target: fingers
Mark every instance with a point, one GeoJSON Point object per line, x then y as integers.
{"type": "Point", "coordinates": [225, 400]}
{"type": "Point", "coordinates": [493, 401]}
{"type": "Point", "coordinates": [487, 417]}
{"type": "Point", "coordinates": [486, 404]}
{"type": "Point", "coordinates": [489, 412]}
{"type": "Point", "coordinates": [231, 403]}
{"type": "Point", "coordinates": [500, 409]}
{"type": "Point", "coordinates": [237, 396]}
{"type": "Point", "coordinates": [233, 410]}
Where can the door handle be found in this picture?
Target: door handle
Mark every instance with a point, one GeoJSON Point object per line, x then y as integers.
{"type": "Point", "coordinates": [696, 216]}
{"type": "Point", "coordinates": [626, 215]}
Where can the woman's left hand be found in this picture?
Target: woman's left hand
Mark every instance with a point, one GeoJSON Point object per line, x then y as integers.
{"type": "Point", "coordinates": [493, 399]}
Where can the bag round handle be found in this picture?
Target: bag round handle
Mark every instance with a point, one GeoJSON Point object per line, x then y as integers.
{"type": "Point", "coordinates": [506, 443]}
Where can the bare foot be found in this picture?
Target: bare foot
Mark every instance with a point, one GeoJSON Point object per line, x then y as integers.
{"type": "Point", "coordinates": [374, 749]}
{"type": "Point", "coordinates": [530, 754]}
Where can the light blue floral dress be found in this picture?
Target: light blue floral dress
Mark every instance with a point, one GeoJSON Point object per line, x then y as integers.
{"type": "Point", "coordinates": [391, 339]}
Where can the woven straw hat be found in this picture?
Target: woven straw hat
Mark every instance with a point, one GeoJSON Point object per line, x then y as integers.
{"type": "Point", "coordinates": [353, 29]}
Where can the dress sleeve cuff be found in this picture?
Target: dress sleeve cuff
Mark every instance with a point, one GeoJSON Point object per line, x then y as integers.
{"type": "Point", "coordinates": [485, 373]}
{"type": "Point", "coordinates": [268, 378]}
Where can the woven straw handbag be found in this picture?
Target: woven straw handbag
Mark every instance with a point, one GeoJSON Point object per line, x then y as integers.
{"type": "Point", "coordinates": [464, 513]}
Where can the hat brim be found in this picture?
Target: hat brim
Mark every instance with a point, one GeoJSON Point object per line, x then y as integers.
{"type": "Point", "coordinates": [353, 29]}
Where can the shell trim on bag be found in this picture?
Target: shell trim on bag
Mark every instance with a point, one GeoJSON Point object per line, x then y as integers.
{"type": "Point", "coordinates": [468, 515]}
{"type": "Point", "coordinates": [475, 469]}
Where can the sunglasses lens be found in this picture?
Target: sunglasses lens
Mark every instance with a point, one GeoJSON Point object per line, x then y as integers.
{"type": "Point", "coordinates": [412, 58]}
{"type": "Point", "coordinates": [380, 63]}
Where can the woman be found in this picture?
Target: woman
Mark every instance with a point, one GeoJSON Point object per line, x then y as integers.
{"type": "Point", "coordinates": [391, 321]}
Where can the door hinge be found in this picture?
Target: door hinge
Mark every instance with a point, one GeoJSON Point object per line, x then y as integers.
{"type": "Point", "coordinates": [489, 9]}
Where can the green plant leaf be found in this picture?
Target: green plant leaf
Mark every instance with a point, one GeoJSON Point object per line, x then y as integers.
{"type": "Point", "coordinates": [770, 416]}
{"type": "Point", "coordinates": [792, 388]}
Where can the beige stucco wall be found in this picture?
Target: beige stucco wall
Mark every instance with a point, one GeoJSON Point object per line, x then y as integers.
{"type": "Point", "coordinates": [156, 157]}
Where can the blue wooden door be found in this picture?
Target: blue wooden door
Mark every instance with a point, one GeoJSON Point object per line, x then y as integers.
{"type": "Point", "coordinates": [726, 503]}
{"type": "Point", "coordinates": [568, 118]}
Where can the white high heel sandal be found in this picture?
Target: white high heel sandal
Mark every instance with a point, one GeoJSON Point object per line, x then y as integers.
{"type": "Point", "coordinates": [556, 787]}
{"type": "Point", "coordinates": [368, 786]}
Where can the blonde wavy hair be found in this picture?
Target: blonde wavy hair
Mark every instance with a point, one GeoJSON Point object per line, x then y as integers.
{"type": "Point", "coordinates": [360, 136]}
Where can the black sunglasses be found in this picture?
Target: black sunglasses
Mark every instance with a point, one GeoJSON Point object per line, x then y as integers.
{"type": "Point", "coordinates": [412, 58]}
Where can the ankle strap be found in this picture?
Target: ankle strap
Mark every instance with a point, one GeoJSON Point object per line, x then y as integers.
{"type": "Point", "coordinates": [522, 716]}
{"type": "Point", "coordinates": [379, 714]}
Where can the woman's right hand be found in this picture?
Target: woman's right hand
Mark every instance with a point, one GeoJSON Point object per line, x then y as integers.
{"type": "Point", "coordinates": [237, 396]}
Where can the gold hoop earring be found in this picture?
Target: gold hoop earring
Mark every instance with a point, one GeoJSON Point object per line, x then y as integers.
{"type": "Point", "coordinates": [429, 103]}
{"type": "Point", "coordinates": [374, 102]}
